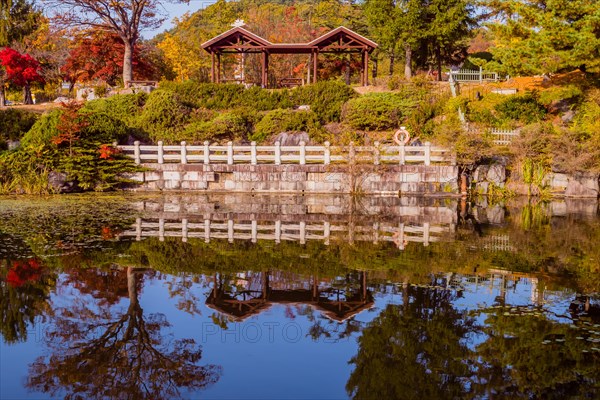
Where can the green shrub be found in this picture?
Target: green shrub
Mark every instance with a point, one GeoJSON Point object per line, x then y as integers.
{"type": "Point", "coordinates": [164, 116]}
{"type": "Point", "coordinates": [42, 132]}
{"type": "Point", "coordinates": [525, 109]}
{"type": "Point", "coordinates": [235, 125]}
{"type": "Point", "coordinates": [570, 92]}
{"type": "Point", "coordinates": [15, 123]}
{"type": "Point", "coordinates": [277, 121]}
{"type": "Point", "coordinates": [123, 107]}
{"type": "Point", "coordinates": [325, 99]}
{"type": "Point", "coordinates": [377, 111]}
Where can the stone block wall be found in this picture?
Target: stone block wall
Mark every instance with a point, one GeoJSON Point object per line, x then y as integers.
{"type": "Point", "coordinates": [367, 179]}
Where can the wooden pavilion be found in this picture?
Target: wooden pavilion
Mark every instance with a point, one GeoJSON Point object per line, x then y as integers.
{"type": "Point", "coordinates": [241, 41]}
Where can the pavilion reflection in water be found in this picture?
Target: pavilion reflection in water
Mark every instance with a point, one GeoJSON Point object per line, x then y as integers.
{"type": "Point", "coordinates": [243, 295]}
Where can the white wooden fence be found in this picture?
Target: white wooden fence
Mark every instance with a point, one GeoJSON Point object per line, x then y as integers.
{"type": "Point", "coordinates": [277, 154]}
{"type": "Point", "coordinates": [470, 75]}
{"type": "Point", "coordinates": [503, 137]}
{"type": "Point", "coordinates": [278, 231]}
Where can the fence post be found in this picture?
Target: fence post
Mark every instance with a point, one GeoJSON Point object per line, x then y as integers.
{"type": "Point", "coordinates": [161, 153]}
{"type": "Point", "coordinates": [230, 153]}
{"type": "Point", "coordinates": [207, 230]}
{"type": "Point", "coordinates": [161, 229]}
{"type": "Point", "coordinates": [426, 234]}
{"type": "Point", "coordinates": [377, 154]}
{"type": "Point", "coordinates": [427, 153]}
{"type": "Point", "coordinates": [184, 230]}
{"type": "Point", "coordinates": [138, 229]}
{"type": "Point", "coordinates": [230, 231]}
{"type": "Point", "coordinates": [183, 153]}
{"type": "Point", "coordinates": [402, 154]}
{"type": "Point", "coordinates": [327, 154]}
{"type": "Point", "coordinates": [302, 232]}
{"type": "Point", "coordinates": [206, 152]}
{"type": "Point", "coordinates": [480, 74]}
{"type": "Point", "coordinates": [254, 231]}
{"type": "Point", "coordinates": [253, 158]}
{"type": "Point", "coordinates": [278, 231]}
{"type": "Point", "coordinates": [352, 153]}
{"type": "Point", "coordinates": [302, 153]}
{"type": "Point", "coordinates": [136, 152]}
{"type": "Point", "coordinates": [277, 153]}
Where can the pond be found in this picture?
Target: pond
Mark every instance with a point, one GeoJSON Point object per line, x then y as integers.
{"type": "Point", "coordinates": [324, 297]}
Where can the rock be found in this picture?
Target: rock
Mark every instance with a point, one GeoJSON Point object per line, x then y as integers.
{"type": "Point", "coordinates": [292, 138]}
{"type": "Point", "coordinates": [501, 160]}
{"type": "Point", "coordinates": [304, 107]}
{"type": "Point", "coordinates": [496, 174]}
{"type": "Point", "coordinates": [556, 181]}
{"type": "Point", "coordinates": [568, 117]}
{"type": "Point", "coordinates": [13, 144]}
{"type": "Point", "coordinates": [560, 106]}
{"type": "Point", "coordinates": [583, 185]}
{"type": "Point", "coordinates": [521, 188]}
{"type": "Point", "coordinates": [58, 182]}
{"type": "Point", "coordinates": [480, 173]}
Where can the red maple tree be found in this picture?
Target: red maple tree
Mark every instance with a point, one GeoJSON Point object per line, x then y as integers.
{"type": "Point", "coordinates": [21, 70]}
{"type": "Point", "coordinates": [98, 56]}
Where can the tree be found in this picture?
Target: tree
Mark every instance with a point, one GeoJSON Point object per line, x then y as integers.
{"type": "Point", "coordinates": [126, 19]}
{"type": "Point", "coordinates": [21, 70]}
{"type": "Point", "coordinates": [539, 36]}
{"type": "Point", "coordinates": [18, 18]}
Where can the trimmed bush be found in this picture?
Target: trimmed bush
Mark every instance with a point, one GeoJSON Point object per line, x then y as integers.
{"type": "Point", "coordinates": [325, 99]}
{"type": "Point", "coordinates": [123, 107]}
{"type": "Point", "coordinates": [524, 109]}
{"type": "Point", "coordinates": [235, 125]}
{"type": "Point", "coordinates": [14, 124]}
{"type": "Point", "coordinates": [164, 116]}
{"type": "Point", "coordinates": [277, 121]}
{"type": "Point", "coordinates": [377, 111]}
{"type": "Point", "coordinates": [42, 132]}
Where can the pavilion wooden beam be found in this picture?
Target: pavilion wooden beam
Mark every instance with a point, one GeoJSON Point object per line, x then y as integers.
{"type": "Point", "coordinates": [366, 68]}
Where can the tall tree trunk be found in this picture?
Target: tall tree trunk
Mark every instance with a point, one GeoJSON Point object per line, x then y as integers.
{"type": "Point", "coordinates": [408, 62]}
{"type": "Point", "coordinates": [347, 74]}
{"type": "Point", "coordinates": [27, 99]}
{"type": "Point", "coordinates": [392, 58]}
{"type": "Point", "coordinates": [128, 62]}
{"type": "Point", "coordinates": [438, 57]}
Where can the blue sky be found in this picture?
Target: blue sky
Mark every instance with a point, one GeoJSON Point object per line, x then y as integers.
{"type": "Point", "coordinates": [177, 10]}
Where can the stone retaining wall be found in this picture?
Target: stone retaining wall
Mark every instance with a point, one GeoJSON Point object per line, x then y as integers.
{"type": "Point", "coordinates": [367, 179]}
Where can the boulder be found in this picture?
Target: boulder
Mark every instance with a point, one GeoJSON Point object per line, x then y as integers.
{"type": "Point", "coordinates": [482, 187]}
{"type": "Point", "coordinates": [583, 185]}
{"type": "Point", "coordinates": [480, 173]}
{"type": "Point", "coordinates": [58, 182]}
{"type": "Point", "coordinates": [496, 174]}
{"type": "Point", "coordinates": [495, 214]}
{"type": "Point", "coordinates": [292, 138]}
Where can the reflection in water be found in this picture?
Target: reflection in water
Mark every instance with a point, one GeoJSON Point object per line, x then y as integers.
{"type": "Point", "coordinates": [243, 295]}
{"type": "Point", "coordinates": [98, 351]}
{"type": "Point", "coordinates": [392, 298]}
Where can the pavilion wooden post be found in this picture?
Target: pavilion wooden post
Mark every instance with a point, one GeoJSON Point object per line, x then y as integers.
{"type": "Point", "coordinates": [218, 67]}
{"type": "Point", "coordinates": [265, 69]}
{"type": "Point", "coordinates": [212, 67]}
{"type": "Point", "coordinates": [366, 67]}
{"type": "Point", "coordinates": [315, 65]}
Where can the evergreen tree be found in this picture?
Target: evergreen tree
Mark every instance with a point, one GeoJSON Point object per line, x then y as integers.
{"type": "Point", "coordinates": [541, 36]}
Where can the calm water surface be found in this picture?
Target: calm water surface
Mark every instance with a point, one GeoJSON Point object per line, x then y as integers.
{"type": "Point", "coordinates": [162, 297]}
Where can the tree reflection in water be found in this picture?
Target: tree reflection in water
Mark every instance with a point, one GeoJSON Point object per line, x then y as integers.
{"type": "Point", "coordinates": [98, 352]}
{"type": "Point", "coordinates": [414, 350]}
